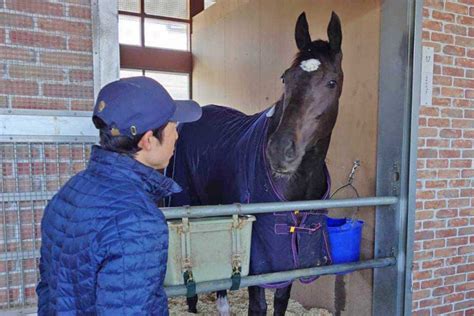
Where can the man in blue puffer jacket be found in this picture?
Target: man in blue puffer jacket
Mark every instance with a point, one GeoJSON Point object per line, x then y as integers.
{"type": "Point", "coordinates": [104, 241]}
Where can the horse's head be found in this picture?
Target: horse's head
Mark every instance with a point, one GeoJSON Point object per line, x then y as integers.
{"type": "Point", "coordinates": [309, 105]}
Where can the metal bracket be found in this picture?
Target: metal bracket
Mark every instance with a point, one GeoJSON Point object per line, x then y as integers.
{"type": "Point", "coordinates": [186, 246]}
{"type": "Point", "coordinates": [395, 178]}
{"type": "Point", "coordinates": [236, 246]}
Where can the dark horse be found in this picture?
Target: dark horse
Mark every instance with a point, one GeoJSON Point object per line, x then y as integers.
{"type": "Point", "coordinates": [276, 155]}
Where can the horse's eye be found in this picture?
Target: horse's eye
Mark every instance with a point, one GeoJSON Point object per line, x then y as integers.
{"type": "Point", "coordinates": [282, 79]}
{"type": "Point", "coordinates": [331, 84]}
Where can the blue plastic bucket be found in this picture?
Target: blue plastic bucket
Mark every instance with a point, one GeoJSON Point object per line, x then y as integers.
{"type": "Point", "coordinates": [345, 236]}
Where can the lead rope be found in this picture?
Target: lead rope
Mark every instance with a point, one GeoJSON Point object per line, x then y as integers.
{"type": "Point", "coordinates": [350, 180]}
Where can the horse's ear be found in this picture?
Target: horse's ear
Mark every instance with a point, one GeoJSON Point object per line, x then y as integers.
{"type": "Point", "coordinates": [335, 33]}
{"type": "Point", "coordinates": [302, 36]}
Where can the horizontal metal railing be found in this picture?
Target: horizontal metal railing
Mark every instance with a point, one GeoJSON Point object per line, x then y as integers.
{"type": "Point", "coordinates": [26, 196]}
{"type": "Point", "coordinates": [211, 286]}
{"type": "Point", "coordinates": [259, 208]}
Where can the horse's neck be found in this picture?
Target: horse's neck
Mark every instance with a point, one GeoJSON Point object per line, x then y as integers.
{"type": "Point", "coordinates": [310, 179]}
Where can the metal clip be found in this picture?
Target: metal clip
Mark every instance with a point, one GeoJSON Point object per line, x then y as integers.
{"type": "Point", "coordinates": [190, 276]}
{"type": "Point", "coordinates": [236, 268]}
{"type": "Point", "coordinates": [354, 168]}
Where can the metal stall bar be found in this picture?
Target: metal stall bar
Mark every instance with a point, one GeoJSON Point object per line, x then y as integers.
{"type": "Point", "coordinates": [18, 237]}
{"type": "Point", "coordinates": [33, 221]}
{"type": "Point", "coordinates": [3, 186]}
{"type": "Point", "coordinates": [258, 208]}
{"type": "Point", "coordinates": [413, 155]}
{"type": "Point", "coordinates": [247, 281]}
{"type": "Point", "coordinates": [395, 164]}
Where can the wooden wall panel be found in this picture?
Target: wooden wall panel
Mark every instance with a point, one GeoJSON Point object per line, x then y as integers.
{"type": "Point", "coordinates": [241, 48]}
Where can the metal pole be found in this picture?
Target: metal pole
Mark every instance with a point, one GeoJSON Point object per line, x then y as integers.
{"type": "Point", "coordinates": [211, 286]}
{"type": "Point", "coordinates": [258, 208]}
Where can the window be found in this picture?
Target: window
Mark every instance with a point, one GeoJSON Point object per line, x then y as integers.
{"type": "Point", "coordinates": [154, 37]}
{"type": "Point", "coordinates": [177, 84]}
{"type": "Point", "coordinates": [129, 30]}
{"type": "Point", "coordinates": [208, 3]}
{"type": "Point", "coordinates": [126, 73]}
{"type": "Point", "coordinates": [166, 34]}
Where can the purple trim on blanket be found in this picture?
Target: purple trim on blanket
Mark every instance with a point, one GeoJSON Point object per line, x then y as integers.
{"type": "Point", "coordinates": [281, 229]}
{"type": "Point", "coordinates": [328, 183]}
{"type": "Point", "coordinates": [294, 248]}
{"type": "Point", "coordinates": [311, 229]}
{"type": "Point", "coordinates": [278, 285]}
{"type": "Point", "coordinates": [328, 250]}
{"type": "Point", "coordinates": [309, 280]}
{"type": "Point", "coordinates": [285, 229]}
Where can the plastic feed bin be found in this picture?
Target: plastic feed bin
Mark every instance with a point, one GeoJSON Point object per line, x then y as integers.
{"type": "Point", "coordinates": [211, 244]}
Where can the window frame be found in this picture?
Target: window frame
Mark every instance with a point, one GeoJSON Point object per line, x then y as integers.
{"type": "Point", "coordinates": [160, 59]}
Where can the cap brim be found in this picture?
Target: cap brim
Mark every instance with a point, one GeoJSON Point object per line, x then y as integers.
{"type": "Point", "coordinates": [186, 111]}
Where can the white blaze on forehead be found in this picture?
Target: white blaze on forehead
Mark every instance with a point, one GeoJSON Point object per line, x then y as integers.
{"type": "Point", "coordinates": [310, 65]}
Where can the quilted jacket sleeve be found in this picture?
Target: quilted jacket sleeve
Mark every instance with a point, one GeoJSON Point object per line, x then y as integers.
{"type": "Point", "coordinates": [131, 273]}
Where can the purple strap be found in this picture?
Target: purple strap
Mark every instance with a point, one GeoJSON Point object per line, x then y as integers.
{"type": "Point", "coordinates": [285, 229]}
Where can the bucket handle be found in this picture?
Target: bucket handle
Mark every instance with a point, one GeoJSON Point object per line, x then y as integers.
{"type": "Point", "coordinates": [350, 180]}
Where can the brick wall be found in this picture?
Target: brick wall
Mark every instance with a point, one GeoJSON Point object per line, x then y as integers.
{"type": "Point", "coordinates": [46, 53]}
{"type": "Point", "coordinates": [31, 172]}
{"type": "Point", "coordinates": [443, 277]}
{"type": "Point", "coordinates": [46, 64]}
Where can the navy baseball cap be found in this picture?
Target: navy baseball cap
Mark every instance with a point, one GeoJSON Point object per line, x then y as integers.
{"type": "Point", "coordinates": [133, 106]}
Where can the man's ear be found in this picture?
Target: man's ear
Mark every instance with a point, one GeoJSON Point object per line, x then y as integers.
{"type": "Point", "coordinates": [145, 141]}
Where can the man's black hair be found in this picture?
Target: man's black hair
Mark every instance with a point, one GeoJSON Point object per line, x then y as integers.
{"type": "Point", "coordinates": [123, 144]}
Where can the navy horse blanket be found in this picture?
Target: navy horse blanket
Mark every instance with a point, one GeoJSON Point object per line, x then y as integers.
{"type": "Point", "coordinates": [221, 159]}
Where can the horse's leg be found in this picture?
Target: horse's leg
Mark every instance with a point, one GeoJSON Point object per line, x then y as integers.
{"type": "Point", "coordinates": [223, 307]}
{"type": "Point", "coordinates": [192, 304]}
{"type": "Point", "coordinates": [280, 300]}
{"type": "Point", "coordinates": [257, 302]}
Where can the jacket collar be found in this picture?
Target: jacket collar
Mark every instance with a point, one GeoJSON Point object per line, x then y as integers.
{"type": "Point", "coordinates": [153, 181]}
